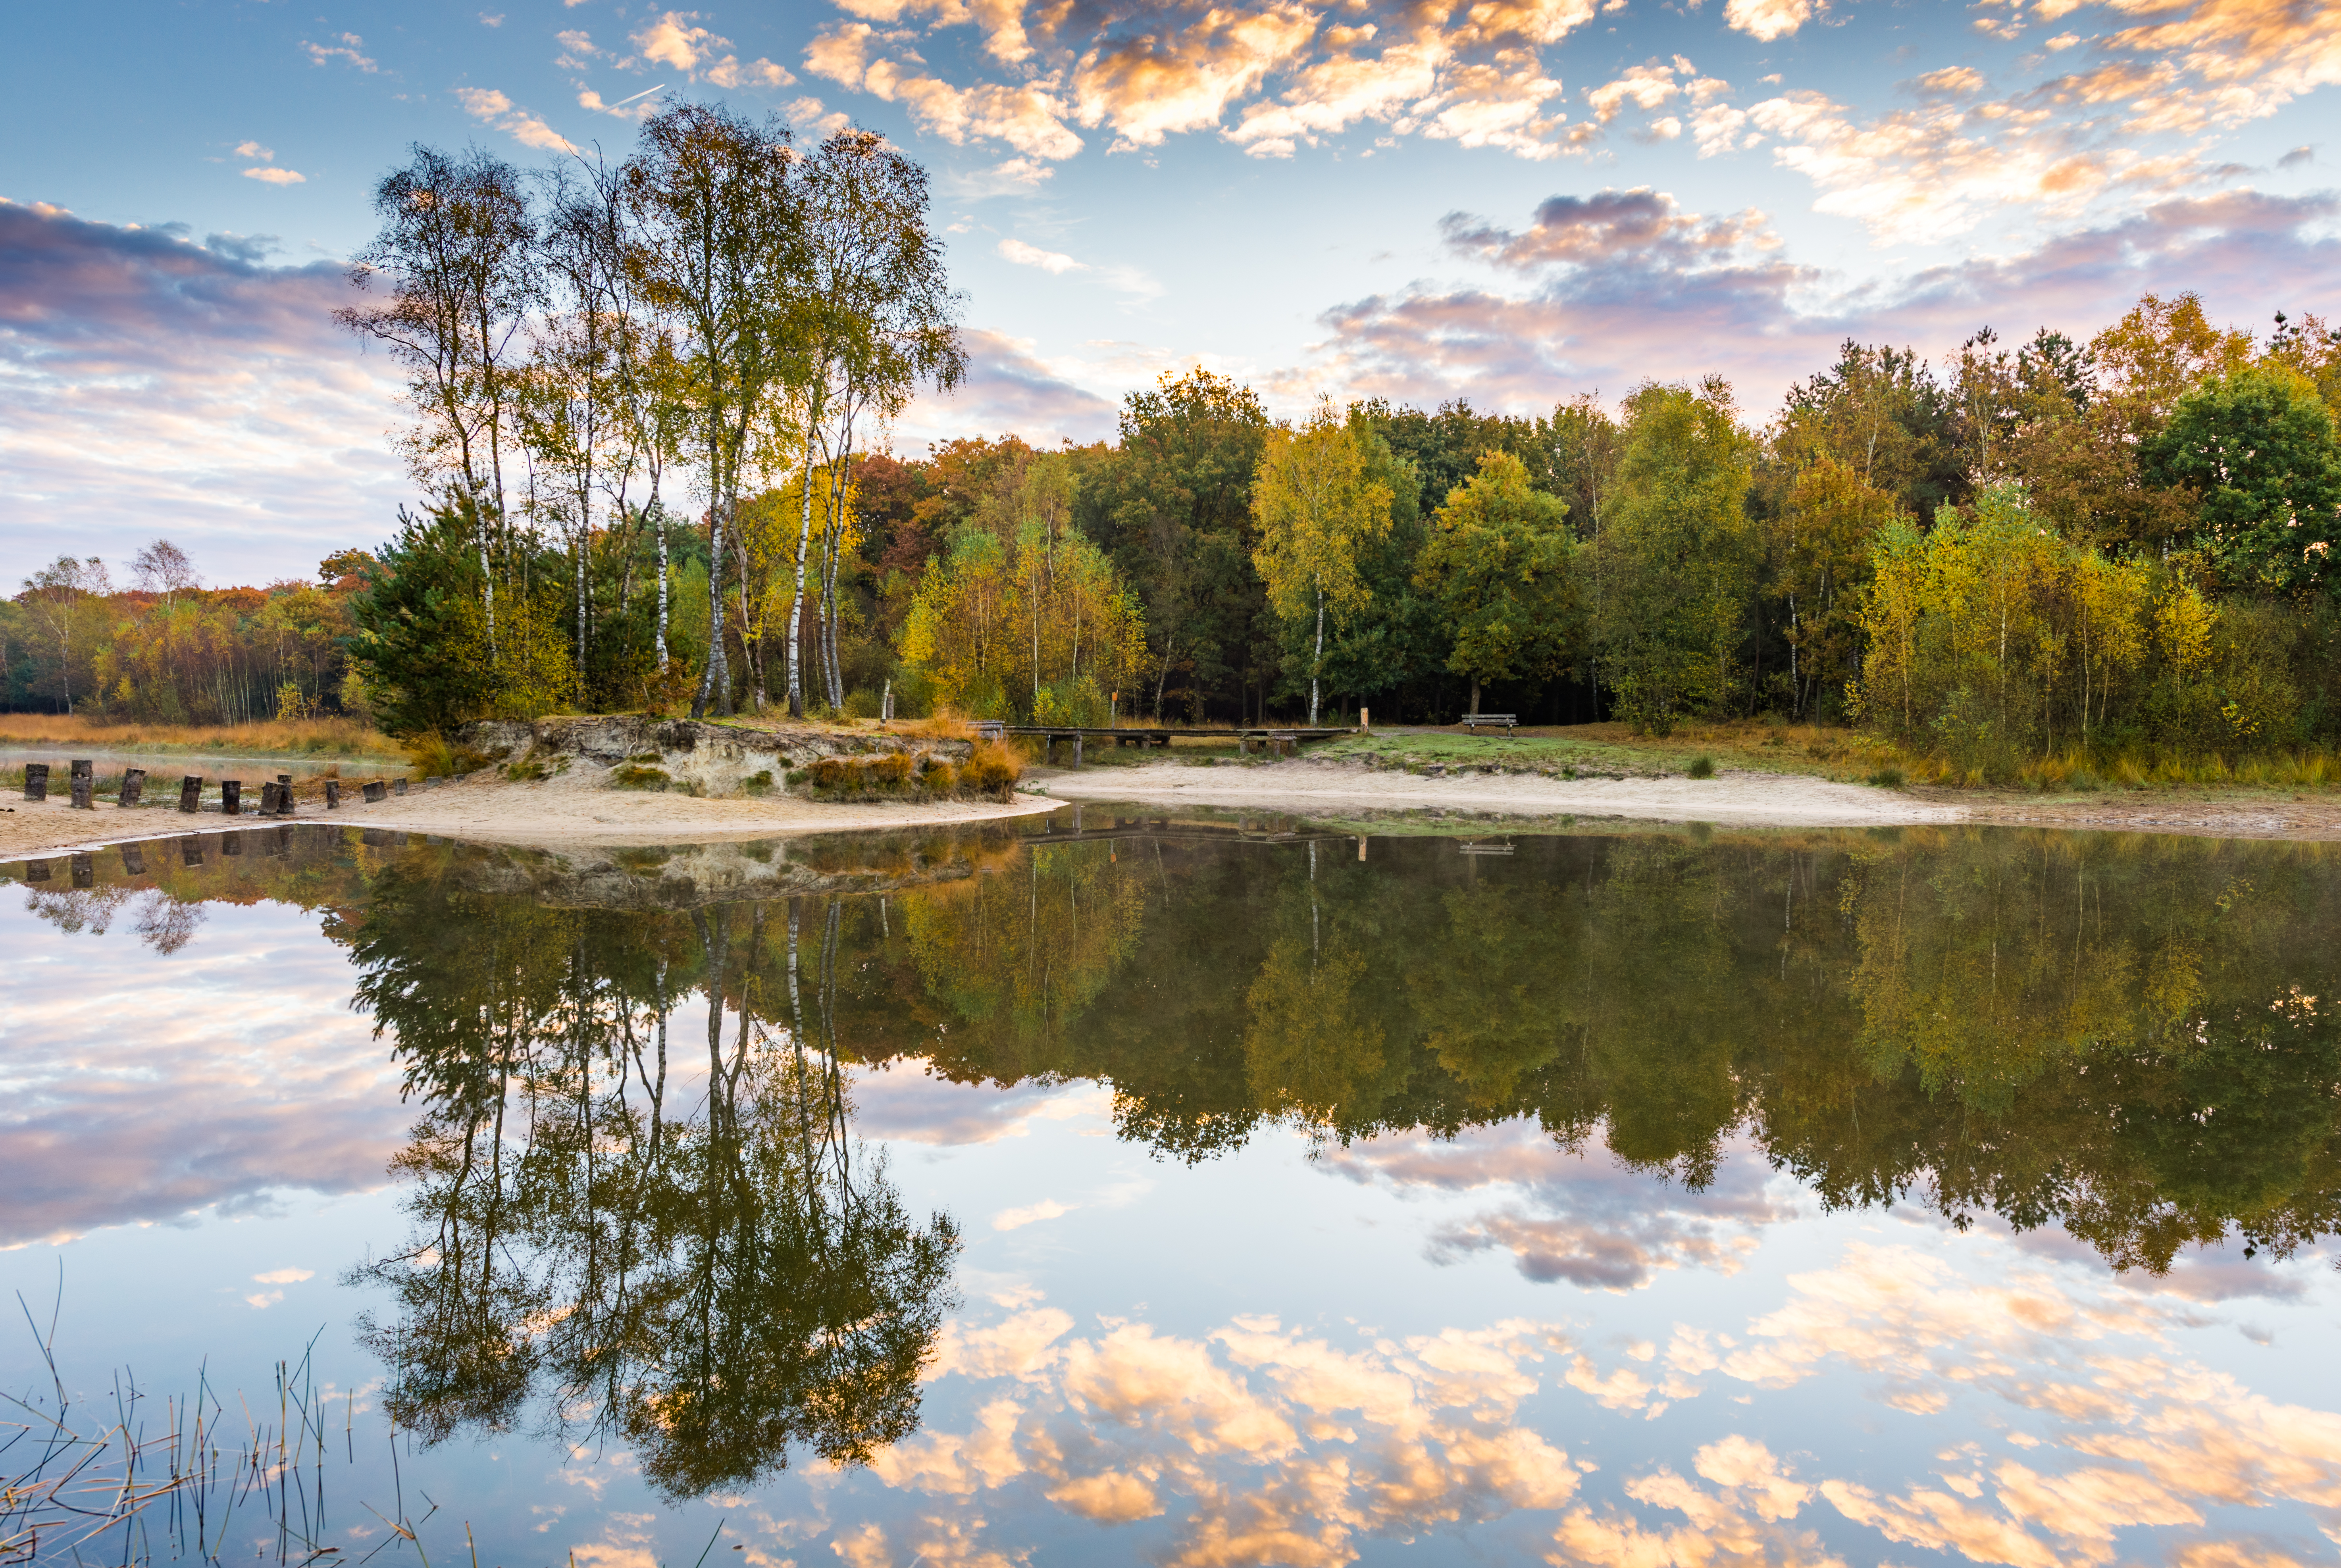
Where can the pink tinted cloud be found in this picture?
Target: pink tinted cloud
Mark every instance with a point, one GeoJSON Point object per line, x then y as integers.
{"type": "Point", "coordinates": [151, 384]}
{"type": "Point", "coordinates": [1626, 287]}
{"type": "Point", "coordinates": [1008, 388]}
{"type": "Point", "coordinates": [187, 1086]}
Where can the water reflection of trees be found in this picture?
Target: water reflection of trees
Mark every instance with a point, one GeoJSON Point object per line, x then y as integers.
{"type": "Point", "coordinates": [2128, 1037]}
{"type": "Point", "coordinates": [691, 1257]}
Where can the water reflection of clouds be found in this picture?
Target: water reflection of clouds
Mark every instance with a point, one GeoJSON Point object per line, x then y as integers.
{"type": "Point", "coordinates": [2088, 1431]}
{"type": "Point", "coordinates": [138, 1089]}
{"type": "Point", "coordinates": [1577, 1218]}
{"type": "Point", "coordinates": [909, 1102]}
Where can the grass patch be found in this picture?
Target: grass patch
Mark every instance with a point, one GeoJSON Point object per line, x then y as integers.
{"type": "Point", "coordinates": [1887, 778]}
{"type": "Point", "coordinates": [991, 771]}
{"type": "Point", "coordinates": [758, 783]}
{"type": "Point", "coordinates": [339, 737]}
{"type": "Point", "coordinates": [1701, 767]}
{"type": "Point", "coordinates": [634, 776]}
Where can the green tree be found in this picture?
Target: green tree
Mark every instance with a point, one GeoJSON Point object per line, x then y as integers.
{"type": "Point", "coordinates": [1501, 564]}
{"type": "Point", "coordinates": [2257, 447]}
{"type": "Point", "coordinates": [1315, 504]}
{"type": "Point", "coordinates": [1675, 564]}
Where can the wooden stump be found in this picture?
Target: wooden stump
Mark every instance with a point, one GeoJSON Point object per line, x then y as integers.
{"type": "Point", "coordinates": [36, 781]}
{"type": "Point", "coordinates": [398, 786]}
{"type": "Point", "coordinates": [232, 843]}
{"type": "Point", "coordinates": [333, 794]}
{"type": "Point", "coordinates": [268, 788]}
{"type": "Point", "coordinates": [191, 792]}
{"type": "Point", "coordinates": [133, 860]}
{"type": "Point", "coordinates": [372, 792]}
{"type": "Point", "coordinates": [85, 871]}
{"type": "Point", "coordinates": [134, 785]}
{"type": "Point", "coordinates": [231, 797]}
{"type": "Point", "coordinates": [191, 850]}
{"type": "Point", "coordinates": [36, 870]}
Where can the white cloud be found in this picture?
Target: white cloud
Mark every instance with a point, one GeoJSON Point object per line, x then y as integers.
{"type": "Point", "coordinates": [525, 127]}
{"type": "Point", "coordinates": [271, 176]}
{"type": "Point", "coordinates": [284, 1276]}
{"type": "Point", "coordinates": [255, 151]}
{"type": "Point", "coordinates": [1030, 1214]}
{"type": "Point", "coordinates": [1768, 19]}
{"type": "Point", "coordinates": [1025, 256]}
{"type": "Point", "coordinates": [347, 50]}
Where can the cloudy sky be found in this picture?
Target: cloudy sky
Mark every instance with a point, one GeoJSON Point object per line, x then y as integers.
{"type": "Point", "coordinates": [1509, 200]}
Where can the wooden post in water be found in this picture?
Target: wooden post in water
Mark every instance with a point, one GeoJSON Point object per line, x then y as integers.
{"type": "Point", "coordinates": [191, 792]}
{"type": "Point", "coordinates": [191, 850]}
{"type": "Point", "coordinates": [36, 870]}
{"type": "Point", "coordinates": [134, 785]}
{"type": "Point", "coordinates": [1362, 846]}
{"type": "Point", "coordinates": [36, 781]}
{"type": "Point", "coordinates": [133, 859]}
{"type": "Point", "coordinates": [85, 871]}
{"type": "Point", "coordinates": [333, 794]}
{"type": "Point", "coordinates": [231, 798]}
{"type": "Point", "coordinates": [84, 784]}
{"type": "Point", "coordinates": [232, 843]}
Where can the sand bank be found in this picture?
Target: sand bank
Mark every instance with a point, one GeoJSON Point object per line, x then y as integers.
{"type": "Point", "coordinates": [575, 809]}
{"type": "Point", "coordinates": [1735, 798]}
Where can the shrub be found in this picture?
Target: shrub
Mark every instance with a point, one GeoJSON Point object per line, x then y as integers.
{"type": "Point", "coordinates": [758, 783]}
{"type": "Point", "coordinates": [1887, 778]}
{"type": "Point", "coordinates": [993, 769]}
{"type": "Point", "coordinates": [434, 758]}
{"type": "Point", "coordinates": [862, 703]}
{"type": "Point", "coordinates": [937, 776]}
{"type": "Point", "coordinates": [634, 776]}
{"type": "Point", "coordinates": [1701, 767]}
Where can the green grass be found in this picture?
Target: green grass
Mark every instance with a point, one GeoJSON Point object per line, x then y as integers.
{"type": "Point", "coordinates": [1606, 758]}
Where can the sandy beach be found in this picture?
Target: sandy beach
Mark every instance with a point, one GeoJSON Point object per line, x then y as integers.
{"type": "Point", "coordinates": [572, 809]}
{"type": "Point", "coordinates": [1733, 798]}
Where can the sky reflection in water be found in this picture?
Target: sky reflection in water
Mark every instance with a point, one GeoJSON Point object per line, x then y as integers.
{"type": "Point", "coordinates": [1189, 1194]}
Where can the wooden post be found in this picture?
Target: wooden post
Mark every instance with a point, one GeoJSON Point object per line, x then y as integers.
{"type": "Point", "coordinates": [372, 792]}
{"type": "Point", "coordinates": [133, 860]}
{"type": "Point", "coordinates": [36, 870]}
{"type": "Point", "coordinates": [85, 871]}
{"type": "Point", "coordinates": [1077, 758]}
{"type": "Point", "coordinates": [191, 792]}
{"type": "Point", "coordinates": [333, 794]}
{"type": "Point", "coordinates": [134, 785]}
{"type": "Point", "coordinates": [398, 786]}
{"type": "Point", "coordinates": [36, 781]}
{"type": "Point", "coordinates": [232, 843]}
{"type": "Point", "coordinates": [191, 850]}
{"type": "Point", "coordinates": [230, 798]}
{"type": "Point", "coordinates": [268, 788]}
{"type": "Point", "coordinates": [1365, 719]}
{"type": "Point", "coordinates": [84, 784]}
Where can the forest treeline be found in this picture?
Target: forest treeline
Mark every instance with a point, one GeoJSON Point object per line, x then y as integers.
{"type": "Point", "coordinates": [648, 402]}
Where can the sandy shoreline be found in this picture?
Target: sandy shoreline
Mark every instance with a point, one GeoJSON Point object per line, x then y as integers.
{"type": "Point", "coordinates": [548, 815]}
{"type": "Point", "coordinates": [1732, 799]}
{"type": "Point", "coordinates": [580, 810]}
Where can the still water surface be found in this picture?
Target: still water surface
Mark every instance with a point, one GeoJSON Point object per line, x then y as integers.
{"type": "Point", "coordinates": [1191, 1192]}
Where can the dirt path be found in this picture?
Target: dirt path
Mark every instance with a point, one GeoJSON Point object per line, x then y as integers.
{"type": "Point", "coordinates": [1735, 798]}
{"type": "Point", "coordinates": [575, 809]}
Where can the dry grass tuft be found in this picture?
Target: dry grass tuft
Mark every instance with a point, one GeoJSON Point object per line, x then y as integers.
{"type": "Point", "coordinates": [340, 737]}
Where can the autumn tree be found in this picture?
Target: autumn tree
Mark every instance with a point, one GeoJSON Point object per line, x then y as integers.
{"type": "Point", "coordinates": [1315, 504]}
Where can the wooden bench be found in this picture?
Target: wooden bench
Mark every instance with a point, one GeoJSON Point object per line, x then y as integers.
{"type": "Point", "coordinates": [1489, 720]}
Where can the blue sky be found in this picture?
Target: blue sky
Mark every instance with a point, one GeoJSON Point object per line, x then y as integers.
{"type": "Point", "coordinates": [1510, 201]}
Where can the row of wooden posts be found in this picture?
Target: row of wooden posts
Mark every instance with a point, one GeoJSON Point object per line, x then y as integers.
{"type": "Point", "coordinates": [275, 795]}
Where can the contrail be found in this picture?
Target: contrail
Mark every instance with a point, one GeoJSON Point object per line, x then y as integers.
{"type": "Point", "coordinates": [644, 93]}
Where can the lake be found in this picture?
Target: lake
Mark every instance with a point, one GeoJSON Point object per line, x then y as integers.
{"type": "Point", "coordinates": [1207, 1191]}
